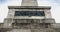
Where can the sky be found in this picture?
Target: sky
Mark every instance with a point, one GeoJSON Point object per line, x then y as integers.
{"type": "Point", "coordinates": [55, 7]}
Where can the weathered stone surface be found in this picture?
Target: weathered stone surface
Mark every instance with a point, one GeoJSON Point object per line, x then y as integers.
{"type": "Point", "coordinates": [29, 3]}
{"type": "Point", "coordinates": [26, 23]}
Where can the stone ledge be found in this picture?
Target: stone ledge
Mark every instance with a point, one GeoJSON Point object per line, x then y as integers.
{"type": "Point", "coordinates": [31, 7]}
{"type": "Point", "coordinates": [56, 25]}
{"type": "Point", "coordinates": [34, 20]}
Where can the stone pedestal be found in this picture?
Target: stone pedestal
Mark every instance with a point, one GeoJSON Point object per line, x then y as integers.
{"type": "Point", "coordinates": [37, 20]}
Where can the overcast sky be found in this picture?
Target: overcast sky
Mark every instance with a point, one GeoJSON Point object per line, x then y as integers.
{"type": "Point", "coordinates": [55, 7]}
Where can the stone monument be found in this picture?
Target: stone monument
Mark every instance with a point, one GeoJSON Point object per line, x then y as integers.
{"type": "Point", "coordinates": [29, 17]}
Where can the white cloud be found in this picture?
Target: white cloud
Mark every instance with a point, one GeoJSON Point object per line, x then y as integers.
{"type": "Point", "coordinates": [56, 13]}
{"type": "Point", "coordinates": [3, 12]}
{"type": "Point", "coordinates": [44, 3]}
{"type": "Point", "coordinates": [14, 3]}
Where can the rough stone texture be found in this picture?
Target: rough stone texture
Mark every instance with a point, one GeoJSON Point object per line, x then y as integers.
{"type": "Point", "coordinates": [29, 3]}
{"type": "Point", "coordinates": [29, 24]}
{"type": "Point", "coordinates": [47, 13]}
{"type": "Point", "coordinates": [12, 10]}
